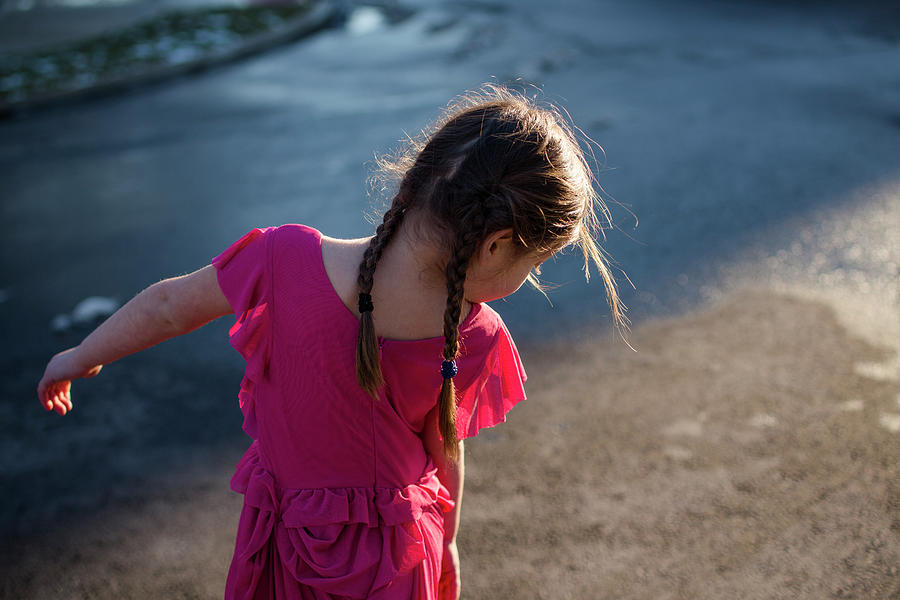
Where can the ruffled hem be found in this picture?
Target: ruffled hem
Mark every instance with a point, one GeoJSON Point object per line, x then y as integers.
{"type": "Point", "coordinates": [345, 541]}
{"type": "Point", "coordinates": [487, 403]}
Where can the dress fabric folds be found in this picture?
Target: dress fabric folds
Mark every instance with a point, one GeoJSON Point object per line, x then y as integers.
{"type": "Point", "coordinates": [340, 498]}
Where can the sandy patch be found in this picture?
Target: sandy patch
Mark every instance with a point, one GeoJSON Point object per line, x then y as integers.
{"type": "Point", "coordinates": [739, 453]}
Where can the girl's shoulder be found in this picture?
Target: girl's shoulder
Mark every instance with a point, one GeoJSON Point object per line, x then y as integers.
{"type": "Point", "coordinates": [293, 246]}
{"type": "Point", "coordinates": [298, 236]}
{"type": "Point", "coordinates": [287, 235]}
{"type": "Point", "coordinates": [296, 233]}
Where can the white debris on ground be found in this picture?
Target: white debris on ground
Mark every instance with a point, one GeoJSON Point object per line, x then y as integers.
{"type": "Point", "coordinates": [365, 19]}
{"type": "Point", "coordinates": [685, 427]}
{"type": "Point", "coordinates": [93, 308]}
{"type": "Point", "coordinates": [890, 421]}
{"type": "Point", "coordinates": [763, 420]}
{"type": "Point", "coordinates": [89, 311]}
{"type": "Point", "coordinates": [854, 405]}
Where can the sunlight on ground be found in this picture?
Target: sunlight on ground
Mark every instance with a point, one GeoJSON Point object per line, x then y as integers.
{"type": "Point", "coordinates": [821, 258]}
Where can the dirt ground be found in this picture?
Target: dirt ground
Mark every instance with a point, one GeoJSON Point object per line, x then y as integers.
{"type": "Point", "coordinates": [747, 451]}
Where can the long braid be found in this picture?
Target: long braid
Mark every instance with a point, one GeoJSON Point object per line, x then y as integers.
{"type": "Point", "coordinates": [467, 195]}
{"type": "Point", "coordinates": [463, 248]}
{"type": "Point", "coordinates": [368, 367]}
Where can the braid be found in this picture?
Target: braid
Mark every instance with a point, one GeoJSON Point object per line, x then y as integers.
{"type": "Point", "coordinates": [464, 248]}
{"type": "Point", "coordinates": [368, 368]}
{"type": "Point", "coordinates": [468, 195]}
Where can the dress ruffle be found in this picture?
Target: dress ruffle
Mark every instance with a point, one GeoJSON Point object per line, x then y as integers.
{"type": "Point", "coordinates": [486, 403]}
{"type": "Point", "coordinates": [347, 541]}
{"type": "Point", "coordinates": [242, 276]}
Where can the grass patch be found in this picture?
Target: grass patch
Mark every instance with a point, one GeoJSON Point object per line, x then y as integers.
{"type": "Point", "coordinates": [173, 38]}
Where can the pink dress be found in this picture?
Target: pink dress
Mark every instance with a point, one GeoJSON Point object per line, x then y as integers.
{"type": "Point", "coordinates": [341, 499]}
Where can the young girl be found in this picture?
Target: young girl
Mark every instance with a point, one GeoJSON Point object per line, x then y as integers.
{"type": "Point", "coordinates": [359, 389]}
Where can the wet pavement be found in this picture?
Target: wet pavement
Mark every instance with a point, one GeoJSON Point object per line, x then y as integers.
{"type": "Point", "coordinates": [756, 144]}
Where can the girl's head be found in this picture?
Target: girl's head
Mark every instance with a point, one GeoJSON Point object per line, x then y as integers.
{"type": "Point", "coordinates": [499, 181]}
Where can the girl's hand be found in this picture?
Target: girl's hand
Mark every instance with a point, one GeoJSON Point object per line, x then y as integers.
{"type": "Point", "coordinates": [53, 389]}
{"type": "Point", "coordinates": [448, 587]}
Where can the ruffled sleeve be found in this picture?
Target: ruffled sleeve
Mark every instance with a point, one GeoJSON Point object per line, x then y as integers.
{"type": "Point", "coordinates": [244, 277]}
{"type": "Point", "coordinates": [500, 387]}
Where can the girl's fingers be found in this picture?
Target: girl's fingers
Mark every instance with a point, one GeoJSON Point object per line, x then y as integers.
{"type": "Point", "coordinates": [56, 396]}
{"type": "Point", "coordinates": [47, 398]}
{"type": "Point", "coordinates": [65, 400]}
{"type": "Point", "coordinates": [64, 393]}
{"type": "Point", "coordinates": [46, 393]}
{"type": "Point", "coordinates": [57, 400]}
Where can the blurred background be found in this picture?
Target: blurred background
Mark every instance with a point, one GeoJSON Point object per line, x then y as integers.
{"type": "Point", "coordinates": [750, 155]}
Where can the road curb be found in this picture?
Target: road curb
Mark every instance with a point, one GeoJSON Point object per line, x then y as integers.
{"type": "Point", "coordinates": [322, 14]}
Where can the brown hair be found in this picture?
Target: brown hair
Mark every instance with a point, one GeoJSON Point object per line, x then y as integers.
{"type": "Point", "coordinates": [494, 160]}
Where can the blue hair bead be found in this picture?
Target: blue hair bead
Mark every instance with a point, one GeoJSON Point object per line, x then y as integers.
{"type": "Point", "coordinates": [448, 369]}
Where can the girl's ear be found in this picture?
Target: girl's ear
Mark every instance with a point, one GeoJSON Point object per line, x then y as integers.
{"type": "Point", "coordinates": [494, 244]}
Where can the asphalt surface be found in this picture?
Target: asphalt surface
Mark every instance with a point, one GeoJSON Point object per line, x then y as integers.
{"type": "Point", "coordinates": [756, 144]}
{"type": "Point", "coordinates": [722, 123]}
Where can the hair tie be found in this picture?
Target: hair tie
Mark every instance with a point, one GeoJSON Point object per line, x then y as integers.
{"type": "Point", "coordinates": [365, 303]}
{"type": "Point", "coordinates": [448, 369]}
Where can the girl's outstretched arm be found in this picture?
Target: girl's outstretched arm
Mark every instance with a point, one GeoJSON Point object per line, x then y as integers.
{"type": "Point", "coordinates": [165, 309]}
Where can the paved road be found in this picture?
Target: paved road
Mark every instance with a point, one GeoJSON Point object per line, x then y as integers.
{"type": "Point", "coordinates": [721, 123]}
{"type": "Point", "coordinates": [757, 144]}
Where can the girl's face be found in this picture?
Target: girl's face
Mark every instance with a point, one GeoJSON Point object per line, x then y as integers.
{"type": "Point", "coordinates": [498, 270]}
